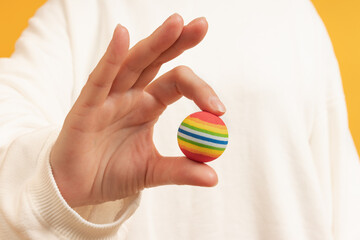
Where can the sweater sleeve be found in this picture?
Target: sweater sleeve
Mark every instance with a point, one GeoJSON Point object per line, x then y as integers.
{"type": "Point", "coordinates": [339, 170]}
{"type": "Point", "coordinates": [36, 85]}
{"type": "Point", "coordinates": [334, 152]}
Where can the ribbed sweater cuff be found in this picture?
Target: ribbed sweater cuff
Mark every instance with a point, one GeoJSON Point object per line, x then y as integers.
{"type": "Point", "coordinates": [53, 211]}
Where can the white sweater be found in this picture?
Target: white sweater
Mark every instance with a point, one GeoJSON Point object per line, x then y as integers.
{"type": "Point", "coordinates": [290, 172]}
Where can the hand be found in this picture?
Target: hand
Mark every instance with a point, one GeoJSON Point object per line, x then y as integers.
{"type": "Point", "coordinates": [105, 149]}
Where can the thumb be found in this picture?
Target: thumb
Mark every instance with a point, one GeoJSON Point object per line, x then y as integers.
{"type": "Point", "coordinates": [181, 171]}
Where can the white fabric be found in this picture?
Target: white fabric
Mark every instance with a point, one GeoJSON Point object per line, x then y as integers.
{"type": "Point", "coordinates": [290, 170]}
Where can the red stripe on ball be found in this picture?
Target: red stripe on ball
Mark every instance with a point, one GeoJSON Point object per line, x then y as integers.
{"type": "Point", "coordinates": [197, 157]}
{"type": "Point", "coordinates": [208, 117]}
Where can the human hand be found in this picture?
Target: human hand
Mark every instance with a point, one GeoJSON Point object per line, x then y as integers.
{"type": "Point", "coordinates": [105, 150]}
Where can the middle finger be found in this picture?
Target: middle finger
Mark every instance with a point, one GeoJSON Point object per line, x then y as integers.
{"type": "Point", "coordinates": [191, 35]}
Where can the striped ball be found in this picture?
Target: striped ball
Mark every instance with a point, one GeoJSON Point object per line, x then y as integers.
{"type": "Point", "coordinates": [202, 136]}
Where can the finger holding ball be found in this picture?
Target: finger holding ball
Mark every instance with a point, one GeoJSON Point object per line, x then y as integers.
{"type": "Point", "coordinates": [202, 136]}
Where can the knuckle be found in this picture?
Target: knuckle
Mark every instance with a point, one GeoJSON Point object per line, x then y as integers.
{"type": "Point", "coordinates": [181, 71]}
{"type": "Point", "coordinates": [156, 64]}
{"type": "Point", "coordinates": [132, 67]}
{"type": "Point", "coordinates": [112, 60]}
{"type": "Point", "coordinates": [97, 83]}
{"type": "Point", "coordinates": [183, 68]}
{"type": "Point", "coordinates": [153, 49]}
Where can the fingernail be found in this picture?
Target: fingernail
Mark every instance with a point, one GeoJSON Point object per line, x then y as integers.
{"type": "Point", "coordinates": [202, 18]}
{"type": "Point", "coordinates": [175, 15]}
{"type": "Point", "coordinates": [172, 15]}
{"type": "Point", "coordinates": [116, 29]}
{"type": "Point", "coordinates": [216, 104]}
{"type": "Point", "coordinates": [117, 26]}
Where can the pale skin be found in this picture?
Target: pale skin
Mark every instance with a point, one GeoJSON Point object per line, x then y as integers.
{"type": "Point", "coordinates": [105, 150]}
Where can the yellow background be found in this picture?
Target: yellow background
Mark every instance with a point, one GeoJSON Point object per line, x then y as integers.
{"type": "Point", "coordinates": [341, 18]}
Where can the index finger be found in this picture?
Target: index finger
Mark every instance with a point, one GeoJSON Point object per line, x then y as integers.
{"type": "Point", "coordinates": [146, 51]}
{"type": "Point", "coordinates": [101, 79]}
{"type": "Point", "coordinates": [182, 81]}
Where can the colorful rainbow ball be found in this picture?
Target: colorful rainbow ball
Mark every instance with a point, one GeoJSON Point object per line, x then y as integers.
{"type": "Point", "coordinates": [202, 137]}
